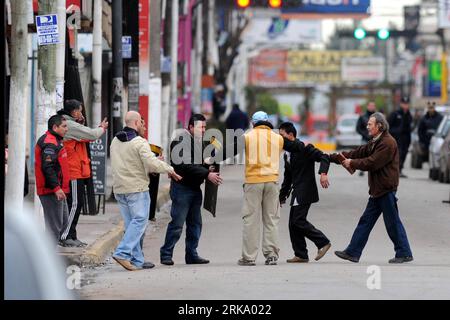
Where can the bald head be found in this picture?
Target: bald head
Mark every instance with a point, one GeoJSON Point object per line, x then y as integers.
{"type": "Point", "coordinates": [132, 118]}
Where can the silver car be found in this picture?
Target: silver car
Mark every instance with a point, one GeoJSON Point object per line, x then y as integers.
{"type": "Point", "coordinates": [346, 135]}
{"type": "Point", "coordinates": [435, 147]}
{"type": "Point", "coordinates": [444, 172]}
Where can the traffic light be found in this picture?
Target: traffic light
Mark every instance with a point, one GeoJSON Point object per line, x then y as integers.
{"type": "Point", "coordinates": [359, 33]}
{"type": "Point", "coordinates": [271, 4]}
{"type": "Point", "coordinates": [383, 34]}
{"type": "Point", "coordinates": [242, 4]}
{"type": "Point", "coordinates": [275, 3]}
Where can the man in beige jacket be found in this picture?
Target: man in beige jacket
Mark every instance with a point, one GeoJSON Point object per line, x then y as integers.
{"type": "Point", "coordinates": [131, 162]}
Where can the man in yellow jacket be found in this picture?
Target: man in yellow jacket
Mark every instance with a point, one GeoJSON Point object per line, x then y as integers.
{"type": "Point", "coordinates": [263, 149]}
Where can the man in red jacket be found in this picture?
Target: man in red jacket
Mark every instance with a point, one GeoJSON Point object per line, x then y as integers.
{"type": "Point", "coordinates": [52, 175]}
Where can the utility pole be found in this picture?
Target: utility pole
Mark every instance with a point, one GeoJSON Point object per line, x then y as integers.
{"type": "Point", "coordinates": [155, 134]}
{"type": "Point", "coordinates": [97, 64]}
{"type": "Point", "coordinates": [46, 83]}
{"type": "Point", "coordinates": [117, 64]}
{"type": "Point", "coordinates": [165, 77]}
{"type": "Point", "coordinates": [173, 114]}
{"type": "Point", "coordinates": [18, 106]}
{"type": "Point", "coordinates": [60, 54]}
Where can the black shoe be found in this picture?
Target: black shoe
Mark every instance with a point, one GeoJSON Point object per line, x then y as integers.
{"type": "Point", "coordinates": [167, 262]}
{"type": "Point", "coordinates": [401, 259]}
{"type": "Point", "coordinates": [271, 261]}
{"type": "Point", "coordinates": [147, 265]}
{"type": "Point", "coordinates": [361, 173]}
{"type": "Point", "coordinates": [345, 256]}
{"type": "Point", "coordinates": [197, 260]}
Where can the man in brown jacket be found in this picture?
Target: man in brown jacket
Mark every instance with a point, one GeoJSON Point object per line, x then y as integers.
{"type": "Point", "coordinates": [380, 157]}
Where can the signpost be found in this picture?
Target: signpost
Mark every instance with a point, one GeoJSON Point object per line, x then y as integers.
{"type": "Point", "coordinates": [98, 164]}
{"type": "Point", "coordinates": [47, 29]}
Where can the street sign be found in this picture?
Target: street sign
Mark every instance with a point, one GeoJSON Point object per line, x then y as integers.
{"type": "Point", "coordinates": [47, 29]}
{"type": "Point", "coordinates": [126, 47]}
{"type": "Point", "coordinates": [98, 163]}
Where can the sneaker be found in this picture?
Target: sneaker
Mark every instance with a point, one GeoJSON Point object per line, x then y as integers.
{"type": "Point", "coordinates": [69, 243]}
{"type": "Point", "coordinates": [401, 259]}
{"type": "Point", "coordinates": [80, 243]}
{"type": "Point", "coordinates": [271, 261]}
{"type": "Point", "coordinates": [244, 262]}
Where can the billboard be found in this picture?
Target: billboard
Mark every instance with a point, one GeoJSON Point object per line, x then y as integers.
{"type": "Point", "coordinates": [316, 66]}
{"type": "Point", "coordinates": [329, 8]}
{"type": "Point", "coordinates": [279, 31]}
{"type": "Point", "coordinates": [365, 69]}
{"type": "Point", "coordinates": [269, 67]}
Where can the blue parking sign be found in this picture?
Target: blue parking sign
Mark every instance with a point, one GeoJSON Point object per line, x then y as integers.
{"type": "Point", "coordinates": [47, 29]}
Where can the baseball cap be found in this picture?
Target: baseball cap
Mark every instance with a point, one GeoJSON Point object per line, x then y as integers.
{"type": "Point", "coordinates": [260, 116]}
{"type": "Point", "coordinates": [404, 100]}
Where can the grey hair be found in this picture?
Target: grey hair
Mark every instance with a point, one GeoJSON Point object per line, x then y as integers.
{"type": "Point", "coordinates": [380, 119]}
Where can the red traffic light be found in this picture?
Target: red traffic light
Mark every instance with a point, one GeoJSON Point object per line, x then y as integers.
{"type": "Point", "coordinates": [275, 3]}
{"type": "Point", "coordinates": [243, 3]}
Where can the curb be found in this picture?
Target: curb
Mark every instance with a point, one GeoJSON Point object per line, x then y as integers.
{"type": "Point", "coordinates": [97, 252]}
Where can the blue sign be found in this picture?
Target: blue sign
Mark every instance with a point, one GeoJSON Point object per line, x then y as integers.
{"type": "Point", "coordinates": [47, 29]}
{"type": "Point", "coordinates": [277, 27]}
{"type": "Point", "coordinates": [126, 47]}
{"type": "Point", "coordinates": [331, 7]}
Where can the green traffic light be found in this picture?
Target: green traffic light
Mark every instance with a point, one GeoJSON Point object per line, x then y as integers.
{"type": "Point", "coordinates": [383, 34]}
{"type": "Point", "coordinates": [359, 33]}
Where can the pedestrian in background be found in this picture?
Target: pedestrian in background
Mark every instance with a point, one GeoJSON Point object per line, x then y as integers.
{"type": "Point", "coordinates": [400, 123]}
{"type": "Point", "coordinates": [52, 175]}
{"type": "Point", "coordinates": [380, 157]}
{"type": "Point", "coordinates": [428, 126]}
{"type": "Point", "coordinates": [76, 143]}
{"type": "Point", "coordinates": [361, 125]}
{"type": "Point", "coordinates": [131, 162]}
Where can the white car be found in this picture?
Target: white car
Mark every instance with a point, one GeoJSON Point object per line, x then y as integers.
{"type": "Point", "coordinates": [346, 135]}
{"type": "Point", "coordinates": [435, 147]}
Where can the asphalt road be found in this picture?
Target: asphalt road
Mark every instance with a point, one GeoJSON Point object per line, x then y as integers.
{"type": "Point", "coordinates": [426, 219]}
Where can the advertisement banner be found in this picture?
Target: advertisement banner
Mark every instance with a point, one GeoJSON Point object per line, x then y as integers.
{"type": "Point", "coordinates": [144, 56]}
{"type": "Point", "coordinates": [434, 79]}
{"type": "Point", "coordinates": [269, 67]}
{"type": "Point", "coordinates": [367, 69]}
{"type": "Point", "coordinates": [309, 66]}
{"type": "Point", "coordinates": [444, 14]}
{"type": "Point", "coordinates": [353, 8]}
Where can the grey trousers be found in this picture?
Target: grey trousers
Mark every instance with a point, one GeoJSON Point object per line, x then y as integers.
{"type": "Point", "coordinates": [55, 215]}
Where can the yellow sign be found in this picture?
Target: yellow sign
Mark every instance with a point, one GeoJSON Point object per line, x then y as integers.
{"type": "Point", "coordinates": [318, 66]}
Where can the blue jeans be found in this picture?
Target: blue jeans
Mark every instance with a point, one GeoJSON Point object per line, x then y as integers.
{"type": "Point", "coordinates": [388, 205]}
{"type": "Point", "coordinates": [134, 208]}
{"type": "Point", "coordinates": [186, 204]}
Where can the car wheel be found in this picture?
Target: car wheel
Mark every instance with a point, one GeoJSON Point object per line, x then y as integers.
{"type": "Point", "coordinates": [441, 176]}
{"type": "Point", "coordinates": [430, 174]}
{"type": "Point", "coordinates": [416, 161]}
{"type": "Point", "coordinates": [435, 174]}
{"type": "Point", "coordinates": [447, 176]}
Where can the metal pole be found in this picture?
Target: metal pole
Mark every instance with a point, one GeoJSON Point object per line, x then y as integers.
{"type": "Point", "coordinates": [60, 54]}
{"type": "Point", "coordinates": [18, 106]}
{"type": "Point", "coordinates": [97, 64]}
{"type": "Point", "coordinates": [173, 114]}
{"type": "Point", "coordinates": [117, 64]}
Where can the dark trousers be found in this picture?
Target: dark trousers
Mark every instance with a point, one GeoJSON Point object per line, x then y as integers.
{"type": "Point", "coordinates": [75, 200]}
{"type": "Point", "coordinates": [55, 214]}
{"type": "Point", "coordinates": [388, 205]}
{"type": "Point", "coordinates": [186, 207]}
{"type": "Point", "coordinates": [299, 228]}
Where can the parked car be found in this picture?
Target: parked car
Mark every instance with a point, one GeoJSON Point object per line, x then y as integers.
{"type": "Point", "coordinates": [346, 135]}
{"type": "Point", "coordinates": [317, 127]}
{"type": "Point", "coordinates": [444, 172]}
{"type": "Point", "coordinates": [418, 154]}
{"type": "Point", "coordinates": [435, 147]}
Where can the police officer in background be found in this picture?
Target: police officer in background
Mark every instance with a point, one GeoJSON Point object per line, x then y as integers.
{"type": "Point", "coordinates": [400, 122]}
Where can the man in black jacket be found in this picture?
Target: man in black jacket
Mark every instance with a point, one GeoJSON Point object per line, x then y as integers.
{"type": "Point", "coordinates": [299, 179]}
{"type": "Point", "coordinates": [400, 123]}
{"type": "Point", "coordinates": [186, 157]}
{"type": "Point", "coordinates": [428, 126]}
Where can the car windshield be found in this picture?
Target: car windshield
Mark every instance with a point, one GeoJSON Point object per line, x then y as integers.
{"type": "Point", "coordinates": [351, 122]}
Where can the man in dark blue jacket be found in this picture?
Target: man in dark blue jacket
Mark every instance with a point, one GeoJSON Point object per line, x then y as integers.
{"type": "Point", "coordinates": [400, 123]}
{"type": "Point", "coordinates": [299, 179]}
{"type": "Point", "coordinates": [428, 126]}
